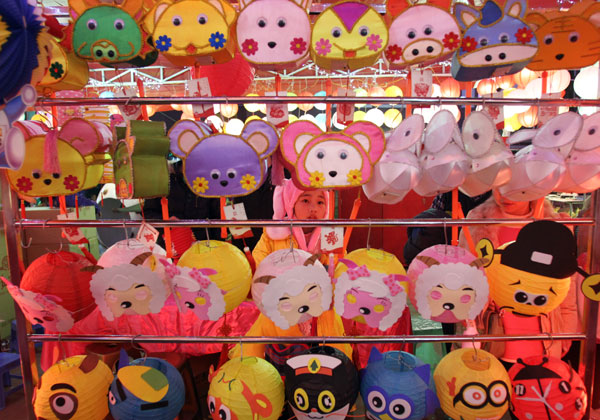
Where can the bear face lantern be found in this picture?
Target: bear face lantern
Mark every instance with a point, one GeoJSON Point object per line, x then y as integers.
{"type": "Point", "coordinates": [531, 276]}
{"type": "Point", "coordinates": [321, 383]}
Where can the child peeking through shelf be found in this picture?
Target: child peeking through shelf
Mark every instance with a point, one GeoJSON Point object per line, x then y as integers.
{"type": "Point", "coordinates": [289, 202]}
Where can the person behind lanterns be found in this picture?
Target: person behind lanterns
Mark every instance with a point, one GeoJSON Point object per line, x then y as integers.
{"type": "Point", "coordinates": [290, 202]}
{"type": "Point", "coordinates": [563, 319]}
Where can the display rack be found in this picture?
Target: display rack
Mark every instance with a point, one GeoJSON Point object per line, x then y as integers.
{"type": "Point", "coordinates": [12, 224]}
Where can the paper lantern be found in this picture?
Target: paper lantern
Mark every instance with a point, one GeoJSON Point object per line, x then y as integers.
{"type": "Point", "coordinates": [321, 106]}
{"type": "Point", "coordinates": [376, 116]}
{"type": "Point", "coordinates": [568, 39]}
{"type": "Point", "coordinates": [359, 116]}
{"type": "Point", "coordinates": [370, 287]}
{"type": "Point", "coordinates": [292, 107]}
{"type": "Point", "coordinates": [393, 91]}
{"type": "Point", "coordinates": [321, 381]}
{"type": "Point", "coordinates": [305, 107]}
{"type": "Point", "coordinates": [512, 123]}
{"type": "Point", "coordinates": [450, 88]}
{"type": "Point", "coordinates": [348, 35]}
{"type": "Point", "coordinates": [555, 82]}
{"type": "Point", "coordinates": [494, 42]}
{"type": "Point", "coordinates": [486, 87]}
{"type": "Point", "coordinates": [392, 118]}
{"type": "Point", "coordinates": [274, 35]}
{"type": "Point", "coordinates": [148, 388]}
{"type": "Point", "coordinates": [542, 259]}
{"type": "Point", "coordinates": [360, 93]}
{"type": "Point", "coordinates": [222, 164]}
{"type": "Point", "coordinates": [505, 82]}
{"type": "Point", "coordinates": [546, 387]}
{"type": "Point", "coordinates": [235, 126]}
{"type": "Point", "coordinates": [529, 118]}
{"type": "Point", "coordinates": [252, 107]}
{"type": "Point", "coordinates": [586, 82]}
{"type": "Point", "coordinates": [61, 162]}
{"type": "Point", "coordinates": [331, 159]}
{"type": "Point", "coordinates": [447, 284]}
{"type": "Point", "coordinates": [228, 110]}
{"type": "Point", "coordinates": [376, 91]}
{"type": "Point", "coordinates": [525, 76]}
{"type": "Point", "coordinates": [397, 385]}
{"type": "Point", "coordinates": [412, 43]}
{"type": "Point", "coordinates": [123, 252]}
{"type": "Point", "coordinates": [472, 384]}
{"type": "Point", "coordinates": [233, 274]}
{"type": "Point", "coordinates": [291, 287]}
{"type": "Point", "coordinates": [245, 389]}
{"type": "Point", "coordinates": [232, 78]}
{"type": "Point", "coordinates": [73, 388]}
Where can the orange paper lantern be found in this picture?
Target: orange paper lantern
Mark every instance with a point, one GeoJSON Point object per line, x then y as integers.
{"type": "Point", "coordinates": [529, 118]}
{"type": "Point", "coordinates": [450, 88]}
{"type": "Point", "coordinates": [525, 76]}
{"type": "Point", "coordinates": [486, 87]}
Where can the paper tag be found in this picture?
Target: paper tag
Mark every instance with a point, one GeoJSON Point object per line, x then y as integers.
{"type": "Point", "coordinates": [129, 111]}
{"type": "Point", "coordinates": [496, 112]}
{"type": "Point", "coordinates": [277, 114]}
{"type": "Point", "coordinates": [72, 234]}
{"type": "Point", "coordinates": [546, 113]}
{"type": "Point", "coordinates": [147, 235]}
{"type": "Point", "coordinates": [237, 212]}
{"type": "Point", "coordinates": [332, 239]}
{"type": "Point", "coordinates": [345, 111]}
{"type": "Point", "coordinates": [421, 81]}
{"type": "Point", "coordinates": [200, 88]}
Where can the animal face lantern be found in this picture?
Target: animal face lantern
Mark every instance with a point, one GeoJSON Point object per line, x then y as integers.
{"type": "Point", "coordinates": [74, 388]}
{"type": "Point", "coordinates": [348, 35]}
{"type": "Point", "coordinates": [531, 276]}
{"type": "Point", "coordinates": [107, 33]}
{"type": "Point", "coordinates": [494, 43]}
{"type": "Point", "coordinates": [291, 287]}
{"type": "Point", "coordinates": [447, 284]}
{"type": "Point", "coordinates": [422, 34]}
{"type": "Point", "coordinates": [274, 34]}
{"type": "Point", "coordinates": [331, 160]}
{"type": "Point", "coordinates": [567, 40]}
{"type": "Point", "coordinates": [61, 162]}
{"type": "Point", "coordinates": [222, 165]}
{"type": "Point", "coordinates": [370, 287]}
{"type": "Point", "coordinates": [397, 386]}
{"type": "Point", "coordinates": [148, 388]}
{"type": "Point", "coordinates": [472, 384]}
{"type": "Point", "coordinates": [546, 388]}
{"type": "Point", "coordinates": [321, 383]}
{"type": "Point", "coordinates": [245, 389]}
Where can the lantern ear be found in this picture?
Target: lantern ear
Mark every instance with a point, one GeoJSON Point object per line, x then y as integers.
{"type": "Point", "coordinates": [211, 373]}
{"type": "Point", "coordinates": [375, 355]}
{"type": "Point", "coordinates": [311, 260]}
{"type": "Point", "coordinates": [139, 260]}
{"type": "Point", "coordinates": [485, 252]}
{"type": "Point", "coordinates": [92, 268]}
{"type": "Point", "coordinates": [429, 261]}
{"type": "Point", "coordinates": [264, 279]}
{"type": "Point", "coordinates": [89, 363]}
{"type": "Point", "coordinates": [479, 262]}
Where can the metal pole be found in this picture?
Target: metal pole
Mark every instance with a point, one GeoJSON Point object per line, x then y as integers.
{"type": "Point", "coordinates": [9, 212]}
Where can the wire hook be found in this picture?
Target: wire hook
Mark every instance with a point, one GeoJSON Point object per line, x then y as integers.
{"type": "Point", "coordinates": [547, 349]}
{"type": "Point", "coordinates": [139, 348]}
{"type": "Point", "coordinates": [369, 236]}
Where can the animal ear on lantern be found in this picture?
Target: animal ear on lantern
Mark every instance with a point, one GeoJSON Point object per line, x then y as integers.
{"type": "Point", "coordinates": [92, 268]}
{"type": "Point", "coordinates": [535, 20]}
{"type": "Point", "coordinates": [226, 10]}
{"type": "Point", "coordinates": [375, 355]}
{"type": "Point", "coordinates": [140, 259]}
{"type": "Point", "coordinates": [465, 15]}
{"type": "Point", "coordinates": [262, 136]}
{"type": "Point", "coordinates": [485, 252]}
{"type": "Point", "coordinates": [159, 10]}
{"type": "Point", "coordinates": [312, 259]}
{"type": "Point", "coordinates": [369, 136]}
{"type": "Point", "coordinates": [515, 8]}
{"type": "Point", "coordinates": [296, 136]}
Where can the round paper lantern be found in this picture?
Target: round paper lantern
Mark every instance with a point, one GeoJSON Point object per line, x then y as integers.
{"type": "Point", "coordinates": [486, 87]}
{"type": "Point", "coordinates": [292, 107]}
{"type": "Point", "coordinates": [525, 76]}
{"type": "Point", "coordinates": [59, 277]}
{"type": "Point", "coordinates": [586, 82]}
{"type": "Point", "coordinates": [546, 387]}
{"type": "Point", "coordinates": [308, 117]}
{"type": "Point", "coordinates": [512, 123]}
{"type": "Point", "coordinates": [392, 118]}
{"type": "Point", "coordinates": [472, 384]}
{"type": "Point", "coordinates": [291, 118]}
{"type": "Point", "coordinates": [233, 273]}
{"type": "Point", "coordinates": [377, 91]}
{"type": "Point", "coordinates": [447, 284]}
{"type": "Point", "coordinates": [321, 106]}
{"type": "Point", "coordinates": [232, 78]}
{"type": "Point", "coordinates": [74, 388]}
{"type": "Point", "coordinates": [370, 287]}
{"type": "Point", "coordinates": [360, 93]}
{"type": "Point", "coordinates": [542, 259]}
{"type": "Point", "coordinates": [450, 88]}
{"type": "Point", "coordinates": [245, 389]}
{"type": "Point", "coordinates": [397, 385]}
{"type": "Point", "coordinates": [359, 116]}
{"type": "Point", "coordinates": [393, 91]}
{"type": "Point", "coordinates": [256, 117]}
{"type": "Point", "coordinates": [148, 388]}
{"type": "Point", "coordinates": [252, 107]}
{"type": "Point", "coordinates": [321, 382]}
{"type": "Point", "coordinates": [228, 110]}
{"type": "Point", "coordinates": [505, 82]}
{"type": "Point", "coordinates": [123, 252]}
{"type": "Point", "coordinates": [234, 127]}
{"type": "Point", "coordinates": [306, 107]}
{"type": "Point", "coordinates": [529, 118]}
{"type": "Point", "coordinates": [375, 115]}
{"type": "Point", "coordinates": [298, 276]}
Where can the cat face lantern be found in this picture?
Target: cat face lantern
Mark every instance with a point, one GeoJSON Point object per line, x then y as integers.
{"type": "Point", "coordinates": [291, 287]}
{"type": "Point", "coordinates": [222, 165]}
{"type": "Point", "coordinates": [274, 34]}
{"type": "Point", "coordinates": [531, 276]}
{"type": "Point", "coordinates": [331, 160]}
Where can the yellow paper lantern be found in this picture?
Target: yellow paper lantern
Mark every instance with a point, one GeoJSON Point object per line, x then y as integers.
{"type": "Point", "coordinates": [246, 389]}
{"type": "Point", "coordinates": [359, 116]}
{"type": "Point", "coordinates": [305, 107]}
{"type": "Point", "coordinates": [450, 88]}
{"type": "Point", "coordinates": [81, 395]}
{"type": "Point", "coordinates": [251, 118]}
{"type": "Point", "coordinates": [512, 123]}
{"type": "Point", "coordinates": [392, 118]}
{"type": "Point", "coordinates": [292, 107]}
{"type": "Point", "coordinates": [472, 384]}
{"type": "Point", "coordinates": [176, 107]}
{"type": "Point", "coordinates": [228, 110]}
{"type": "Point", "coordinates": [486, 87]}
{"type": "Point", "coordinates": [529, 118]}
{"type": "Point", "coordinates": [525, 76]}
{"type": "Point", "coordinates": [233, 276]}
{"type": "Point", "coordinates": [292, 118]}
{"type": "Point", "coordinates": [393, 91]}
{"type": "Point", "coordinates": [360, 93]}
{"type": "Point", "coordinates": [252, 107]}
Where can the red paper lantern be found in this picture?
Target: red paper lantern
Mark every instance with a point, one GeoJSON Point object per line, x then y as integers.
{"type": "Point", "coordinates": [486, 87]}
{"type": "Point", "coordinates": [450, 88]}
{"type": "Point", "coordinates": [232, 78]}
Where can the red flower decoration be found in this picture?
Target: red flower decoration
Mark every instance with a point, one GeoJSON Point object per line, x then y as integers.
{"type": "Point", "coordinates": [393, 53]}
{"type": "Point", "coordinates": [24, 184]}
{"type": "Point", "coordinates": [298, 45]}
{"type": "Point", "coordinates": [249, 47]}
{"type": "Point", "coordinates": [71, 183]}
{"type": "Point", "coordinates": [524, 35]}
{"type": "Point", "coordinates": [451, 41]}
{"type": "Point", "coordinates": [468, 44]}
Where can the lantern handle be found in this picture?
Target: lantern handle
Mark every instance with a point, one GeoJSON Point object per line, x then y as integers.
{"type": "Point", "coordinates": [136, 346]}
{"type": "Point", "coordinates": [369, 235]}
{"type": "Point", "coordinates": [547, 349]}
{"type": "Point", "coordinates": [28, 241]}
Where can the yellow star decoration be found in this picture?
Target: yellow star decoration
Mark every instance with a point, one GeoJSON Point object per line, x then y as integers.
{"type": "Point", "coordinates": [316, 179]}
{"type": "Point", "coordinates": [200, 185]}
{"type": "Point", "coordinates": [248, 182]}
{"type": "Point", "coordinates": [354, 177]}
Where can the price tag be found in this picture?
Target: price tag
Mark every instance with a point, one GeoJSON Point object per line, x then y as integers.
{"type": "Point", "coordinates": [277, 114]}
{"type": "Point", "coordinates": [200, 88]}
{"type": "Point", "coordinates": [332, 239]}
{"type": "Point", "coordinates": [546, 113]}
{"type": "Point", "coordinates": [237, 212]}
{"type": "Point", "coordinates": [345, 111]}
{"type": "Point", "coordinates": [496, 112]}
{"type": "Point", "coordinates": [129, 111]}
{"type": "Point", "coordinates": [421, 81]}
{"type": "Point", "coordinates": [72, 234]}
{"type": "Point", "coordinates": [147, 235]}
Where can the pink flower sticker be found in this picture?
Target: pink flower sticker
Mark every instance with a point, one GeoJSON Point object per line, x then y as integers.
{"type": "Point", "coordinates": [374, 42]}
{"type": "Point", "coordinates": [298, 45]}
{"type": "Point", "coordinates": [323, 46]}
{"type": "Point", "coordinates": [249, 47]}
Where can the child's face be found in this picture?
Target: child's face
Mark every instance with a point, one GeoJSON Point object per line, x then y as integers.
{"type": "Point", "coordinates": [310, 205]}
